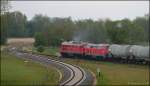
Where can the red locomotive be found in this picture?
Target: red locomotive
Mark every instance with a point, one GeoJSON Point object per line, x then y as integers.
{"type": "Point", "coordinates": [99, 51]}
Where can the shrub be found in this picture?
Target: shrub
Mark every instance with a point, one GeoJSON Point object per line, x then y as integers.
{"type": "Point", "coordinates": [40, 48]}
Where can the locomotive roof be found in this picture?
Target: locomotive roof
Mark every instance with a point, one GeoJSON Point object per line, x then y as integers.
{"type": "Point", "coordinates": [83, 43]}
{"type": "Point", "coordinates": [99, 45]}
{"type": "Point", "coordinates": [73, 43]}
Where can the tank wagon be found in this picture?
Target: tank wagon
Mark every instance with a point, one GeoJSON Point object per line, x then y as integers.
{"type": "Point", "coordinates": [120, 50]}
{"type": "Point", "coordinates": [130, 53]}
{"type": "Point", "coordinates": [140, 53]}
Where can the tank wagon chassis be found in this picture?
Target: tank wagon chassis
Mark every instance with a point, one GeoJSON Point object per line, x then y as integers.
{"type": "Point", "coordinates": [129, 60]}
{"type": "Point", "coordinates": [105, 52]}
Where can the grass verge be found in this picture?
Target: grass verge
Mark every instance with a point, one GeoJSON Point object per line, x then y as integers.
{"type": "Point", "coordinates": [16, 71]}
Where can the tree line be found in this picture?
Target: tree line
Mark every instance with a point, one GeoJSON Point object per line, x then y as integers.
{"type": "Point", "coordinates": [52, 31]}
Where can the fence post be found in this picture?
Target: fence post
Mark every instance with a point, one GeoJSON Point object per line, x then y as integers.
{"type": "Point", "coordinates": [98, 72]}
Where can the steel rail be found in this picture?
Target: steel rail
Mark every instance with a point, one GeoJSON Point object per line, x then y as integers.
{"type": "Point", "coordinates": [71, 69]}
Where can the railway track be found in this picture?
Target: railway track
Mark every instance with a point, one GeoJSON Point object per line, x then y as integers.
{"type": "Point", "coordinates": [76, 75]}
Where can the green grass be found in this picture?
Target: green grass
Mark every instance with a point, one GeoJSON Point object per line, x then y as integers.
{"type": "Point", "coordinates": [15, 71]}
{"type": "Point", "coordinates": [50, 50]}
{"type": "Point", "coordinates": [47, 50]}
{"type": "Point", "coordinates": [115, 74]}
{"type": "Point", "coordinates": [111, 73]}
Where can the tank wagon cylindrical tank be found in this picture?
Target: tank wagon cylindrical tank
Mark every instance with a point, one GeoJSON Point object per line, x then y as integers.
{"type": "Point", "coordinates": [120, 51]}
{"type": "Point", "coordinates": [140, 52]}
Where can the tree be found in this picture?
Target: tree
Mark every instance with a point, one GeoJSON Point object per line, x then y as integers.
{"type": "Point", "coordinates": [17, 24]}
{"type": "Point", "coordinates": [52, 31]}
{"type": "Point", "coordinates": [3, 29]}
{"type": "Point", "coordinates": [5, 6]}
{"type": "Point", "coordinates": [39, 23]}
{"type": "Point", "coordinates": [40, 40]}
{"type": "Point", "coordinates": [60, 29]}
{"type": "Point", "coordinates": [143, 23]}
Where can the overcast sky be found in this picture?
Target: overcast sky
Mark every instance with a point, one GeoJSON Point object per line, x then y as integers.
{"type": "Point", "coordinates": [83, 9]}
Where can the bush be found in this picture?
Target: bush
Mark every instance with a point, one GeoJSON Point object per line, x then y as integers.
{"type": "Point", "coordinates": [40, 48]}
{"type": "Point", "coordinates": [40, 40]}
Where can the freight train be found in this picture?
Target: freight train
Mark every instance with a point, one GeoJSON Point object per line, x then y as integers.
{"type": "Point", "coordinates": [107, 52]}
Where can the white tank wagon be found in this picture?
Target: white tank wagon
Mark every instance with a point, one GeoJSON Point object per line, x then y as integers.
{"type": "Point", "coordinates": [140, 52]}
{"type": "Point", "coordinates": [120, 51]}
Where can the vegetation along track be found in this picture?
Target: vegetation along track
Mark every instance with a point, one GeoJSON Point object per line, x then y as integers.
{"type": "Point", "coordinates": [73, 75]}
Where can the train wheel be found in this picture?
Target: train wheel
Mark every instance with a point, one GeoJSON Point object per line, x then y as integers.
{"type": "Point", "coordinates": [109, 57]}
{"type": "Point", "coordinates": [123, 60]}
{"type": "Point", "coordinates": [99, 57]}
{"type": "Point", "coordinates": [144, 62]}
{"type": "Point", "coordinates": [64, 54]}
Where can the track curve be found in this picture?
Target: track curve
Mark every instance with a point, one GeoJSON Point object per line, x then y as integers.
{"type": "Point", "coordinates": [72, 75]}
